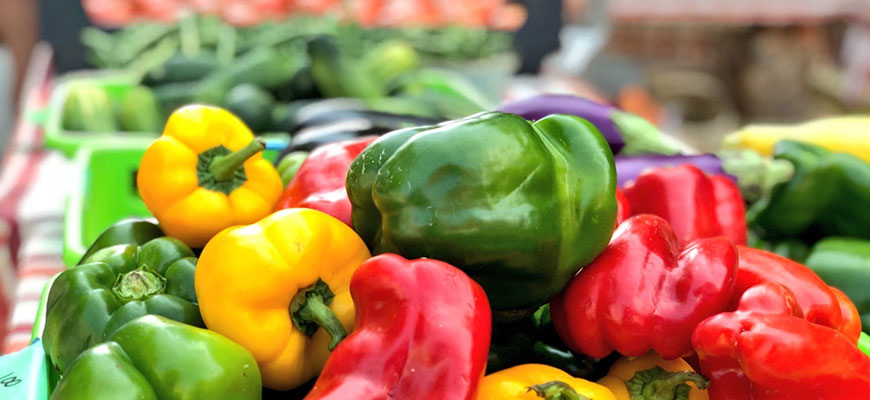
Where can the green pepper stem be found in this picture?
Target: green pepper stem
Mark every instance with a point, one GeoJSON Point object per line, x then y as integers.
{"type": "Point", "coordinates": [556, 390]}
{"type": "Point", "coordinates": [658, 384]}
{"type": "Point", "coordinates": [224, 167]}
{"type": "Point", "coordinates": [310, 310]}
{"type": "Point", "coordinates": [138, 284]}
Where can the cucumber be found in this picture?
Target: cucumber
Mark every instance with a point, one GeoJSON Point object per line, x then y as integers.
{"type": "Point", "coordinates": [182, 69]}
{"type": "Point", "coordinates": [335, 76]}
{"type": "Point", "coordinates": [88, 109]}
{"type": "Point", "coordinates": [139, 111]}
{"type": "Point", "coordinates": [252, 104]}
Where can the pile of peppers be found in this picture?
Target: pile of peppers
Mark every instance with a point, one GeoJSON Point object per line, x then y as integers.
{"type": "Point", "coordinates": [498, 256]}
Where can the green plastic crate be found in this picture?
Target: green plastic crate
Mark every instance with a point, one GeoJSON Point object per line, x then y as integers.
{"type": "Point", "coordinates": [103, 193]}
{"type": "Point", "coordinates": [116, 85]}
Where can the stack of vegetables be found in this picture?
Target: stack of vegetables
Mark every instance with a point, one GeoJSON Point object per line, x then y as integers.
{"type": "Point", "coordinates": [496, 256]}
{"type": "Point", "coordinates": [266, 74]}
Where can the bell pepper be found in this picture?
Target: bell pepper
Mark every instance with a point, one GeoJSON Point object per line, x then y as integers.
{"type": "Point", "coordinates": [628, 168]}
{"type": "Point", "coordinates": [844, 263]}
{"type": "Point", "coordinates": [764, 350]}
{"type": "Point", "coordinates": [319, 183]}
{"type": "Point", "coordinates": [532, 339]}
{"type": "Point", "coordinates": [827, 196]}
{"type": "Point", "coordinates": [289, 165]}
{"type": "Point", "coordinates": [114, 286]}
{"type": "Point", "coordinates": [696, 205]}
{"type": "Point", "coordinates": [538, 381]}
{"type": "Point", "coordinates": [626, 133]}
{"type": "Point", "coordinates": [206, 173]}
{"type": "Point", "coordinates": [645, 292]}
{"type": "Point", "coordinates": [819, 303]}
{"type": "Point", "coordinates": [847, 134]}
{"type": "Point", "coordinates": [154, 358]}
{"type": "Point", "coordinates": [623, 207]}
{"type": "Point", "coordinates": [423, 331]}
{"type": "Point", "coordinates": [130, 231]}
{"type": "Point", "coordinates": [518, 206]}
{"type": "Point", "coordinates": [651, 377]}
{"type": "Point", "coordinates": [272, 285]}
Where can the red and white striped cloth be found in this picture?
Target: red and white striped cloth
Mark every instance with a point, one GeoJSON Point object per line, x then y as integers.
{"type": "Point", "coordinates": [33, 187]}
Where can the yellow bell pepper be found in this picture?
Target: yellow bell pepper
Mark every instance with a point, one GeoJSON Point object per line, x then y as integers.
{"type": "Point", "coordinates": [652, 378]}
{"type": "Point", "coordinates": [845, 134]}
{"type": "Point", "coordinates": [538, 381]}
{"type": "Point", "coordinates": [272, 285]}
{"type": "Point", "coordinates": [206, 173]}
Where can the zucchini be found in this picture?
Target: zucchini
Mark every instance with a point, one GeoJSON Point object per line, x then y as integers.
{"type": "Point", "coordinates": [88, 109]}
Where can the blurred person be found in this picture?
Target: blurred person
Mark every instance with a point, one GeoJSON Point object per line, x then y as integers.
{"type": "Point", "coordinates": [18, 34]}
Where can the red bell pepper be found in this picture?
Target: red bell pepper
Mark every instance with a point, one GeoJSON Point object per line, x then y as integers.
{"type": "Point", "coordinates": [851, 326]}
{"type": "Point", "coordinates": [765, 350]}
{"type": "Point", "coordinates": [645, 291]}
{"type": "Point", "coordinates": [696, 205]}
{"type": "Point", "coordinates": [623, 208]}
{"type": "Point", "coordinates": [319, 183]}
{"type": "Point", "coordinates": [422, 332]}
{"type": "Point", "coordinates": [818, 301]}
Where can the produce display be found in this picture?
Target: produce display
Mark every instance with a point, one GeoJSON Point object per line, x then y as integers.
{"type": "Point", "coordinates": [418, 238]}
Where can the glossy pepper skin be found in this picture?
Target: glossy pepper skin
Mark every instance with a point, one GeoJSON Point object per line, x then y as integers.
{"type": "Point", "coordinates": [156, 358]}
{"type": "Point", "coordinates": [827, 196]}
{"type": "Point", "coordinates": [650, 377]}
{"type": "Point", "coordinates": [645, 292]}
{"type": "Point", "coordinates": [114, 286]}
{"type": "Point", "coordinates": [623, 207]}
{"type": "Point", "coordinates": [320, 182]}
{"type": "Point", "coordinates": [844, 263]}
{"type": "Point", "coordinates": [765, 350]}
{"type": "Point", "coordinates": [131, 231]}
{"type": "Point", "coordinates": [538, 381]}
{"type": "Point", "coordinates": [518, 206]}
{"type": "Point", "coordinates": [206, 173]}
{"type": "Point", "coordinates": [696, 205]}
{"type": "Point", "coordinates": [272, 285]}
{"type": "Point", "coordinates": [423, 331]}
{"type": "Point", "coordinates": [819, 303]}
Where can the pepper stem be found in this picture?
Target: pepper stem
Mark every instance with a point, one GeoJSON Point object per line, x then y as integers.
{"type": "Point", "coordinates": [556, 390]}
{"type": "Point", "coordinates": [223, 168]}
{"type": "Point", "coordinates": [310, 311]}
{"type": "Point", "coordinates": [138, 284]}
{"type": "Point", "coordinates": [658, 384]}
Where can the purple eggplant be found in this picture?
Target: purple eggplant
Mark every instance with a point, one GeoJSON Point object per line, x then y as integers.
{"type": "Point", "coordinates": [628, 168]}
{"type": "Point", "coordinates": [535, 108]}
{"type": "Point", "coordinates": [627, 134]}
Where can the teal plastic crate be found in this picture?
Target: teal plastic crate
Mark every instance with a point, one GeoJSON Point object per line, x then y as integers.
{"type": "Point", "coordinates": [115, 83]}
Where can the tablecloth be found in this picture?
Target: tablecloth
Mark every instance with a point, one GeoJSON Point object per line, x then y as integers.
{"type": "Point", "coordinates": [33, 187]}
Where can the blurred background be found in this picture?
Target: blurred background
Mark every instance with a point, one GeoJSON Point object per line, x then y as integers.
{"type": "Point", "coordinates": [697, 68]}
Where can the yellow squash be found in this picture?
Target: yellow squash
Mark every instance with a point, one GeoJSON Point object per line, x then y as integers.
{"type": "Point", "coordinates": [536, 382]}
{"type": "Point", "coordinates": [279, 288]}
{"type": "Point", "coordinates": [652, 378]}
{"type": "Point", "coordinates": [206, 173]}
{"type": "Point", "coordinates": [844, 134]}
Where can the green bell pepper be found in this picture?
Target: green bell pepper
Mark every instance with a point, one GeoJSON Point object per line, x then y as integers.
{"type": "Point", "coordinates": [519, 206]}
{"type": "Point", "coordinates": [114, 286]}
{"type": "Point", "coordinates": [844, 263]}
{"type": "Point", "coordinates": [156, 358]}
{"type": "Point", "coordinates": [533, 340]}
{"type": "Point", "coordinates": [827, 196]}
{"type": "Point", "coordinates": [131, 231]}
